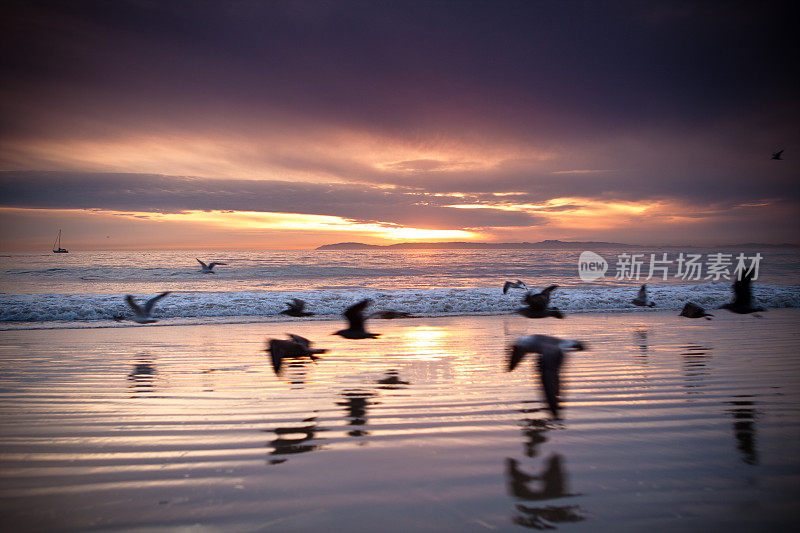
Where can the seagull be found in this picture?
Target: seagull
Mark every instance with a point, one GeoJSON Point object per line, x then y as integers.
{"type": "Point", "coordinates": [390, 314]}
{"type": "Point", "coordinates": [514, 285]}
{"type": "Point", "coordinates": [692, 310]}
{"type": "Point", "coordinates": [296, 347]}
{"type": "Point", "coordinates": [143, 314]}
{"type": "Point", "coordinates": [537, 304]}
{"type": "Point", "coordinates": [778, 155]}
{"type": "Point", "coordinates": [295, 308]}
{"type": "Point", "coordinates": [551, 355]}
{"type": "Point", "coordinates": [641, 299]}
{"type": "Point", "coordinates": [209, 268]}
{"type": "Point", "coordinates": [355, 320]}
{"type": "Point", "coordinates": [742, 297]}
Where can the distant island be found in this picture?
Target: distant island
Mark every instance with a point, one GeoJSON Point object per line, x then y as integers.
{"type": "Point", "coordinates": [548, 244]}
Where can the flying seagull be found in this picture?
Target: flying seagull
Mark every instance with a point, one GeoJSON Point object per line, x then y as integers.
{"type": "Point", "coordinates": [295, 308]}
{"type": "Point", "coordinates": [143, 314]}
{"type": "Point", "coordinates": [537, 304]}
{"type": "Point", "coordinates": [778, 155]}
{"type": "Point", "coordinates": [514, 285]}
{"type": "Point", "coordinates": [692, 310]}
{"type": "Point", "coordinates": [551, 356]}
{"type": "Point", "coordinates": [209, 268]}
{"type": "Point", "coordinates": [297, 346]}
{"type": "Point", "coordinates": [390, 314]}
{"type": "Point", "coordinates": [641, 299]}
{"type": "Point", "coordinates": [742, 297]}
{"type": "Point", "coordinates": [355, 320]}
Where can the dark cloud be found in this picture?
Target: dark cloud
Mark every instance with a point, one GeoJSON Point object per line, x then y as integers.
{"type": "Point", "coordinates": [527, 70]}
{"type": "Point", "coordinates": [175, 194]}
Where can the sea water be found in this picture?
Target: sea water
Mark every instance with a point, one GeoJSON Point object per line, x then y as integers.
{"type": "Point", "coordinates": [87, 289]}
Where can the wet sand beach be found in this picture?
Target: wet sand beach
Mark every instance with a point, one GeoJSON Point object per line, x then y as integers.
{"type": "Point", "coordinates": [669, 424]}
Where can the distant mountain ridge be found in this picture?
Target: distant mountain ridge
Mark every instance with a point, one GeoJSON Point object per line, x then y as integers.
{"type": "Point", "coordinates": [550, 243]}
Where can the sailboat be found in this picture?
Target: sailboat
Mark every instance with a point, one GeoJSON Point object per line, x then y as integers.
{"type": "Point", "coordinates": [57, 249]}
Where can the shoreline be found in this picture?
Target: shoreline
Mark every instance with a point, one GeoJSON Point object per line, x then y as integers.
{"type": "Point", "coordinates": [256, 319]}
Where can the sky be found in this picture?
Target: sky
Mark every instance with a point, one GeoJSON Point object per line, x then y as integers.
{"type": "Point", "coordinates": [292, 124]}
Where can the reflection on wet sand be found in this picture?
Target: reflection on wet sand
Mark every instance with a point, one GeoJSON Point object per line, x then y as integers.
{"type": "Point", "coordinates": [552, 485]}
{"type": "Point", "coordinates": [392, 380]}
{"type": "Point", "coordinates": [142, 377]}
{"type": "Point", "coordinates": [293, 440]}
{"type": "Point", "coordinates": [744, 430]}
{"type": "Point", "coordinates": [552, 481]}
{"type": "Point", "coordinates": [694, 366]}
{"type": "Point", "coordinates": [296, 371]}
{"type": "Point", "coordinates": [355, 404]}
{"type": "Point", "coordinates": [534, 430]}
{"type": "Point", "coordinates": [640, 338]}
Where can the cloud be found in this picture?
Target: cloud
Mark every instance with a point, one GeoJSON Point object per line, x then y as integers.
{"type": "Point", "coordinates": [176, 194]}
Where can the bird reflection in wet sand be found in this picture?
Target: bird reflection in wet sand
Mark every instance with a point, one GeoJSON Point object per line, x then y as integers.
{"type": "Point", "coordinates": [640, 338]}
{"type": "Point", "coordinates": [294, 440]}
{"type": "Point", "coordinates": [551, 356]}
{"type": "Point", "coordinates": [694, 365]}
{"type": "Point", "coordinates": [143, 375]}
{"type": "Point", "coordinates": [355, 404]}
{"type": "Point", "coordinates": [392, 380]}
{"type": "Point", "coordinates": [552, 485]}
{"type": "Point", "coordinates": [744, 415]}
{"type": "Point", "coordinates": [534, 430]}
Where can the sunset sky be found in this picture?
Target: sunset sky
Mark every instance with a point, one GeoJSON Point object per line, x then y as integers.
{"type": "Point", "coordinates": [258, 125]}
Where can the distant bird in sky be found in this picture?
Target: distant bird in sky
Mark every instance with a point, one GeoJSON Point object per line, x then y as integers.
{"type": "Point", "coordinates": [692, 310]}
{"type": "Point", "coordinates": [641, 299]}
{"type": "Point", "coordinates": [209, 268]}
{"type": "Point", "coordinates": [537, 304]}
{"type": "Point", "coordinates": [296, 308]}
{"type": "Point", "coordinates": [551, 356]}
{"type": "Point", "coordinates": [778, 155]}
{"type": "Point", "coordinates": [742, 297]}
{"type": "Point", "coordinates": [143, 314]}
{"type": "Point", "coordinates": [355, 320]}
{"type": "Point", "coordinates": [514, 285]}
{"type": "Point", "coordinates": [297, 346]}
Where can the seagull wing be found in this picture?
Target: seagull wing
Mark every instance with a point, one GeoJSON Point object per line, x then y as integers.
{"type": "Point", "coordinates": [299, 340]}
{"type": "Point", "coordinates": [148, 306]}
{"type": "Point", "coordinates": [742, 295]}
{"type": "Point", "coordinates": [277, 351]}
{"type": "Point", "coordinates": [205, 266]}
{"type": "Point", "coordinates": [642, 293]}
{"type": "Point", "coordinates": [506, 286]}
{"type": "Point", "coordinates": [355, 314]}
{"type": "Point", "coordinates": [549, 374]}
{"type": "Point", "coordinates": [537, 302]}
{"type": "Point", "coordinates": [212, 265]}
{"type": "Point", "coordinates": [132, 303]}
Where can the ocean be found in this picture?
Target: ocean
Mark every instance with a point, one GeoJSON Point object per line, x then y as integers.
{"type": "Point", "coordinates": [669, 424]}
{"type": "Point", "coordinates": [87, 289]}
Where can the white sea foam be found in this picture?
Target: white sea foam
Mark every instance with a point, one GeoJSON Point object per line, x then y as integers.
{"type": "Point", "coordinates": [328, 304]}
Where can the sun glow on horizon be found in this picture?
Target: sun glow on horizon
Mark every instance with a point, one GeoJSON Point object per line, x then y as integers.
{"type": "Point", "coordinates": [250, 220]}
